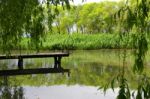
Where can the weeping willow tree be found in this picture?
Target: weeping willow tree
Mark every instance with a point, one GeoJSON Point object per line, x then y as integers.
{"type": "Point", "coordinates": [134, 21]}
{"type": "Point", "coordinates": [30, 18]}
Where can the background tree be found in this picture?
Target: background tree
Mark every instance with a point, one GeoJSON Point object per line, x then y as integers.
{"type": "Point", "coordinates": [88, 18]}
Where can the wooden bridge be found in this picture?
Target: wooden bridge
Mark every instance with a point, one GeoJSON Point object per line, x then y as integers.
{"type": "Point", "coordinates": [21, 71]}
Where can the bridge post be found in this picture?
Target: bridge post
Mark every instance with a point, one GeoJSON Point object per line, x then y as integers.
{"type": "Point", "coordinates": [20, 63]}
{"type": "Point", "coordinates": [57, 62]}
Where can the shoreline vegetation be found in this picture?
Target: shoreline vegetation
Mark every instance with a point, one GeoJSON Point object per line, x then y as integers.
{"type": "Point", "coordinates": [79, 41]}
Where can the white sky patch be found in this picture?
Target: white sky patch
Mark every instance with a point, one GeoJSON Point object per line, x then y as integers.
{"type": "Point", "coordinates": [78, 2]}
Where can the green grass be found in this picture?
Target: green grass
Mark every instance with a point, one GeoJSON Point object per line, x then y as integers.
{"type": "Point", "coordinates": [82, 42]}
{"type": "Point", "coordinates": [86, 41]}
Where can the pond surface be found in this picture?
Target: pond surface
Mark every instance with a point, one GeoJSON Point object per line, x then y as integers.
{"type": "Point", "coordinates": [89, 70]}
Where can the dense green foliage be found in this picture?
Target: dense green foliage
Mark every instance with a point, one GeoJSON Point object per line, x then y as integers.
{"type": "Point", "coordinates": [87, 18]}
{"type": "Point", "coordinates": [103, 17]}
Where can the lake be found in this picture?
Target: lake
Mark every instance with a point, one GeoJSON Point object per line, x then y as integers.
{"type": "Point", "coordinates": [90, 69]}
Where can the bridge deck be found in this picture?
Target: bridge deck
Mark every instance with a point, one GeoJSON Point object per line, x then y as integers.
{"type": "Point", "coordinates": [39, 55]}
{"type": "Point", "coordinates": [21, 71]}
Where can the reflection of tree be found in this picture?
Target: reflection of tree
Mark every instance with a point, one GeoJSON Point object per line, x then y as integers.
{"type": "Point", "coordinates": [9, 92]}
{"type": "Point", "coordinates": [18, 93]}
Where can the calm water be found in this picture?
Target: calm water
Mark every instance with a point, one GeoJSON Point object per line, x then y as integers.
{"type": "Point", "coordinates": [89, 70]}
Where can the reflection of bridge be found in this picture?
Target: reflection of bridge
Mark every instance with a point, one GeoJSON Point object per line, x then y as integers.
{"type": "Point", "coordinates": [21, 71]}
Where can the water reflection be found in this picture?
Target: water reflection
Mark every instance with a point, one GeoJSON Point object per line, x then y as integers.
{"type": "Point", "coordinates": [88, 68]}
{"type": "Point", "coordinates": [92, 68]}
{"type": "Point", "coordinates": [7, 91]}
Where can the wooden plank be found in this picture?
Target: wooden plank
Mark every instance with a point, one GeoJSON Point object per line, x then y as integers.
{"type": "Point", "coordinates": [32, 71]}
{"type": "Point", "coordinates": [39, 55]}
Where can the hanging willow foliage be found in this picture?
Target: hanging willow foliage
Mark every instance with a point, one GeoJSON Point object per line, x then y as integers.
{"type": "Point", "coordinates": [137, 15]}
{"type": "Point", "coordinates": [134, 14]}
{"type": "Point", "coordinates": [19, 18]}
